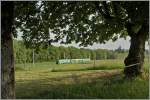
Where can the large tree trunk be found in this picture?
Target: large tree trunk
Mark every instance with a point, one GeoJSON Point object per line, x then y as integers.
{"type": "Point", "coordinates": [135, 59]}
{"type": "Point", "coordinates": [7, 65]}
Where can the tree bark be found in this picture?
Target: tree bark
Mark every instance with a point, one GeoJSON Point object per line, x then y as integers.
{"type": "Point", "coordinates": [7, 58]}
{"type": "Point", "coordinates": [135, 59]}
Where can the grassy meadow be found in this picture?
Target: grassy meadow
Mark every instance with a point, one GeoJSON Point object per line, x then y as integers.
{"type": "Point", "coordinates": [104, 80]}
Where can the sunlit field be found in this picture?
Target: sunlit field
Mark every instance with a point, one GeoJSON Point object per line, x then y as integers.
{"type": "Point", "coordinates": [104, 79]}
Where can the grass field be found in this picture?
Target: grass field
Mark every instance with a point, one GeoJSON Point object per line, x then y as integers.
{"type": "Point", "coordinates": [104, 80]}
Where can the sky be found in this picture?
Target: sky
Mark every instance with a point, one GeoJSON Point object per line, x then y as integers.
{"type": "Point", "coordinates": [124, 43]}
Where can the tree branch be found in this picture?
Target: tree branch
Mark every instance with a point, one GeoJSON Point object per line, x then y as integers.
{"type": "Point", "coordinates": [105, 12]}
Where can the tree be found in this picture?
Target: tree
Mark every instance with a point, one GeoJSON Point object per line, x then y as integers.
{"type": "Point", "coordinates": [137, 28]}
{"type": "Point", "coordinates": [7, 66]}
{"type": "Point", "coordinates": [82, 22]}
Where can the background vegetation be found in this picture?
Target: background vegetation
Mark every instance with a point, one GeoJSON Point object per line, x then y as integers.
{"type": "Point", "coordinates": [24, 55]}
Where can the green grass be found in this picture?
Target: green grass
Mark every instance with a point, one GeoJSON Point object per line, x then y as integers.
{"type": "Point", "coordinates": [109, 64]}
{"type": "Point", "coordinates": [113, 87]}
{"type": "Point", "coordinates": [47, 80]}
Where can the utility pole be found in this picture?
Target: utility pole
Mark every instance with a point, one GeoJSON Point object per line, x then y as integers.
{"type": "Point", "coordinates": [64, 56]}
{"type": "Point", "coordinates": [25, 60]}
{"type": "Point", "coordinates": [105, 55]}
{"type": "Point", "coordinates": [33, 57]}
{"type": "Point", "coordinates": [94, 59]}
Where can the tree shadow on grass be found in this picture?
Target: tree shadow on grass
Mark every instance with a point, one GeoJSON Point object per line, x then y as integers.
{"type": "Point", "coordinates": [111, 86]}
{"type": "Point", "coordinates": [88, 68]}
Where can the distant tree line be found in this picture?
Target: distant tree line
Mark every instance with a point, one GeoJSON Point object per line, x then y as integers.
{"type": "Point", "coordinates": [52, 53]}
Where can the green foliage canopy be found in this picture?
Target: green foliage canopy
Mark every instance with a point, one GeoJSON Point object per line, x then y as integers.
{"type": "Point", "coordinates": [82, 22]}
